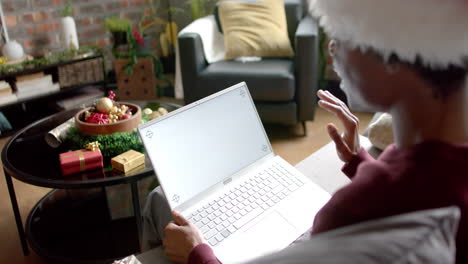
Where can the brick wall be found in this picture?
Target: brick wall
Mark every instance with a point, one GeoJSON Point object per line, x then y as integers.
{"type": "Point", "coordinates": [36, 23]}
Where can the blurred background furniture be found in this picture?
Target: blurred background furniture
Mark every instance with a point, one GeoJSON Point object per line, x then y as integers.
{"type": "Point", "coordinates": [284, 89]}
{"type": "Point", "coordinates": [72, 82]}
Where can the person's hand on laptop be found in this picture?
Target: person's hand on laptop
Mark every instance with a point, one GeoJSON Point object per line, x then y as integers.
{"type": "Point", "coordinates": [181, 237]}
{"type": "Point", "coordinates": [347, 145]}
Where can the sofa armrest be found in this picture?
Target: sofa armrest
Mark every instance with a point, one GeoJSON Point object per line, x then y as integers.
{"type": "Point", "coordinates": [192, 62]}
{"type": "Point", "coordinates": [307, 63]}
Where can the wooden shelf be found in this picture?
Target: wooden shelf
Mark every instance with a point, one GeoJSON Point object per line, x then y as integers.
{"type": "Point", "coordinates": [62, 91]}
{"type": "Point", "coordinates": [46, 67]}
{"type": "Point", "coordinates": [19, 109]}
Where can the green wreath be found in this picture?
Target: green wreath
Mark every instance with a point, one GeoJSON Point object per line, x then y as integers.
{"type": "Point", "coordinates": [110, 145]}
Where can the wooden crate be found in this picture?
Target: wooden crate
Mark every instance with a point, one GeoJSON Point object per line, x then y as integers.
{"type": "Point", "coordinates": [141, 85]}
{"type": "Point", "coordinates": [81, 72]}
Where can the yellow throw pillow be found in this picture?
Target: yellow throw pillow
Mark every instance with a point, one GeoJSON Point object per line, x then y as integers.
{"type": "Point", "coordinates": [255, 29]}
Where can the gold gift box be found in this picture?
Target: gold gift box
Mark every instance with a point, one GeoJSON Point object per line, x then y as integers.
{"type": "Point", "coordinates": [128, 161]}
{"type": "Point", "coordinates": [131, 172]}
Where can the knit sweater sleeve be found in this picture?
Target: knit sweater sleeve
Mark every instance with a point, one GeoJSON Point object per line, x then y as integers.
{"type": "Point", "coordinates": [202, 254]}
{"type": "Point", "coordinates": [350, 168]}
{"type": "Point", "coordinates": [360, 200]}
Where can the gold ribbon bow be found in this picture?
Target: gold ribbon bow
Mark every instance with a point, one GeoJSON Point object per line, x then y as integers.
{"type": "Point", "coordinates": [3, 60]}
{"type": "Point", "coordinates": [93, 146]}
{"type": "Point", "coordinates": [80, 155]}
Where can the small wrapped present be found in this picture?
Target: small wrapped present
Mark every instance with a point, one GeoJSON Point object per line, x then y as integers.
{"type": "Point", "coordinates": [128, 161]}
{"type": "Point", "coordinates": [131, 172]}
{"type": "Point", "coordinates": [80, 160]}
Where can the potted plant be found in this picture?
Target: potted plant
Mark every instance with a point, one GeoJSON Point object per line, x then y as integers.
{"type": "Point", "coordinates": [119, 27]}
{"type": "Point", "coordinates": [137, 72]}
{"type": "Point", "coordinates": [201, 8]}
{"type": "Point", "coordinates": [168, 35]}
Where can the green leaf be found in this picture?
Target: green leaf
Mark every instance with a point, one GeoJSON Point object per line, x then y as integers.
{"type": "Point", "coordinates": [115, 24]}
{"type": "Point", "coordinates": [68, 10]}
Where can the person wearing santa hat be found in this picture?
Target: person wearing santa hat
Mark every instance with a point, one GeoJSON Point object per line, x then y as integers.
{"type": "Point", "coordinates": [407, 58]}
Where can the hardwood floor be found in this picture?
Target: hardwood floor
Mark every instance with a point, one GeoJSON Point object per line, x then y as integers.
{"type": "Point", "coordinates": [287, 142]}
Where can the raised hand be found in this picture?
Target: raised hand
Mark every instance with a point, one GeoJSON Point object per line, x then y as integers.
{"type": "Point", "coordinates": [347, 144]}
{"type": "Point", "coordinates": [181, 237]}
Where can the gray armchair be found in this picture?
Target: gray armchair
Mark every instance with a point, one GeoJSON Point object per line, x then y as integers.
{"type": "Point", "coordinates": [284, 89]}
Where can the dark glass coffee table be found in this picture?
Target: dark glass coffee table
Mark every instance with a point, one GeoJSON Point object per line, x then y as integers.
{"type": "Point", "coordinates": [71, 224]}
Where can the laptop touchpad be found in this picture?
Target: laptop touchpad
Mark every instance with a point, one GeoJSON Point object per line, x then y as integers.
{"type": "Point", "coordinates": [260, 239]}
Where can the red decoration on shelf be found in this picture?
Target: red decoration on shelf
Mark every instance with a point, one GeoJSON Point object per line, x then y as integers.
{"type": "Point", "coordinates": [98, 118]}
{"type": "Point", "coordinates": [111, 95]}
{"type": "Point", "coordinates": [138, 37]}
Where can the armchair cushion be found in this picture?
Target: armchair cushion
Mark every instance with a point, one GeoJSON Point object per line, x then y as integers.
{"type": "Point", "coordinates": [268, 80]}
{"type": "Point", "coordinates": [255, 29]}
{"type": "Point", "coordinates": [418, 237]}
{"type": "Point", "coordinates": [284, 89]}
{"type": "Point", "coordinates": [294, 14]}
{"type": "Point", "coordinates": [380, 131]}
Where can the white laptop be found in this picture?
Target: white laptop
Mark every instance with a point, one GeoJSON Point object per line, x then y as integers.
{"type": "Point", "coordinates": [216, 167]}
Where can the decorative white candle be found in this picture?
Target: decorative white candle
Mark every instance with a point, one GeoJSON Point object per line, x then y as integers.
{"type": "Point", "coordinates": [68, 33]}
{"type": "Point", "coordinates": [4, 26]}
{"type": "Point", "coordinates": [12, 50]}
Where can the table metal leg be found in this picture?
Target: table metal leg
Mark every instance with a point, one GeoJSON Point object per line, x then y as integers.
{"type": "Point", "coordinates": [137, 210]}
{"type": "Point", "coordinates": [14, 205]}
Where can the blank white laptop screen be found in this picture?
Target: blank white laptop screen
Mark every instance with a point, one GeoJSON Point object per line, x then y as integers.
{"type": "Point", "coordinates": [201, 145]}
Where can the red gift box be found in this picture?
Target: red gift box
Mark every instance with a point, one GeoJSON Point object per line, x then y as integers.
{"type": "Point", "coordinates": [80, 160]}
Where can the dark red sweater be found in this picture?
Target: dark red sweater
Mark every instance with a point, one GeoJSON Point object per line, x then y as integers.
{"type": "Point", "coordinates": [428, 175]}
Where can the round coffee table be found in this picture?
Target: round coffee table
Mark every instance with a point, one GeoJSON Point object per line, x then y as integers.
{"type": "Point", "coordinates": [71, 224]}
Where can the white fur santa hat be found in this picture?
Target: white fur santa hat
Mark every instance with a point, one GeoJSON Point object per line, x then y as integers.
{"type": "Point", "coordinates": [436, 31]}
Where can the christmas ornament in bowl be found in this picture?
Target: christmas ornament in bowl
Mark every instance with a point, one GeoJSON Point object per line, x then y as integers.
{"type": "Point", "coordinates": [108, 117]}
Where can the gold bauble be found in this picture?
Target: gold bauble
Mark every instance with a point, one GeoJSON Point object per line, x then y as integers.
{"type": "Point", "coordinates": [154, 115]}
{"type": "Point", "coordinates": [162, 110]}
{"type": "Point", "coordinates": [147, 111]}
{"type": "Point", "coordinates": [87, 115]}
{"type": "Point", "coordinates": [104, 105]}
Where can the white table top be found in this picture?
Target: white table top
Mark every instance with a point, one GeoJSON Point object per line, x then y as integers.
{"type": "Point", "coordinates": [324, 167]}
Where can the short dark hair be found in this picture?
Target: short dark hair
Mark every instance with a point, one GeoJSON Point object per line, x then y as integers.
{"type": "Point", "coordinates": [444, 81]}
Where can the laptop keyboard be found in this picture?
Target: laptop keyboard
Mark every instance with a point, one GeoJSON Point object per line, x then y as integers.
{"type": "Point", "coordinates": [226, 214]}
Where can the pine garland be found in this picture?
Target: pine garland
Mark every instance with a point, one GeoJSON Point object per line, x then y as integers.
{"type": "Point", "coordinates": [111, 145]}
{"type": "Point", "coordinates": [48, 60]}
